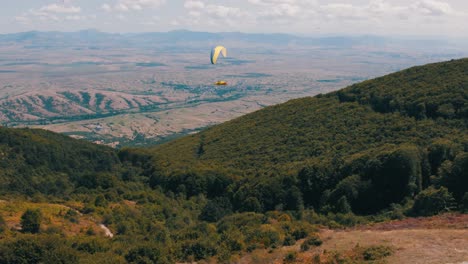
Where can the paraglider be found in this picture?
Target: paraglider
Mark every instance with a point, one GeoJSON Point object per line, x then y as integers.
{"type": "Point", "coordinates": [215, 52]}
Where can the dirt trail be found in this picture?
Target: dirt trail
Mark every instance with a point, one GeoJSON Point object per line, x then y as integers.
{"type": "Point", "coordinates": [107, 231]}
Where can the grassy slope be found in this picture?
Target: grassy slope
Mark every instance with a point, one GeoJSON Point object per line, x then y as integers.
{"type": "Point", "coordinates": [414, 106]}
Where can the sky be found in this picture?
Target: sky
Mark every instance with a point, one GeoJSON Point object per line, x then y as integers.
{"type": "Point", "coordinates": [447, 18]}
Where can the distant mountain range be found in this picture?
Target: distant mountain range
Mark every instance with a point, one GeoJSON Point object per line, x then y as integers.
{"type": "Point", "coordinates": [97, 39]}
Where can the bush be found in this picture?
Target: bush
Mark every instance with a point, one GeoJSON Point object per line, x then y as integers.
{"type": "Point", "coordinates": [31, 221]}
{"type": "Point", "coordinates": [300, 233]}
{"type": "Point", "coordinates": [305, 246]}
{"type": "Point", "coordinates": [91, 246]}
{"type": "Point", "coordinates": [290, 257]}
{"type": "Point", "coordinates": [432, 201]}
{"type": "Point", "coordinates": [377, 252]}
{"type": "Point", "coordinates": [266, 235]}
{"type": "Point", "coordinates": [146, 254]}
{"type": "Point", "coordinates": [313, 240]}
{"type": "Point", "coordinates": [289, 241]}
{"type": "Point", "coordinates": [37, 249]}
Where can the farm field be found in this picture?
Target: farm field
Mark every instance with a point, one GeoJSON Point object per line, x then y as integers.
{"type": "Point", "coordinates": [143, 89]}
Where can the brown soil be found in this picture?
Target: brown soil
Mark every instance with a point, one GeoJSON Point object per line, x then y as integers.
{"type": "Point", "coordinates": [439, 239]}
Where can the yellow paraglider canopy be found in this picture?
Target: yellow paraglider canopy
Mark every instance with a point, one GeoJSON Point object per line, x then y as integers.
{"type": "Point", "coordinates": [215, 53]}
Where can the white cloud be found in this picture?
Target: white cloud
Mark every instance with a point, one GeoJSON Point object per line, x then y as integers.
{"type": "Point", "coordinates": [61, 9]}
{"type": "Point", "coordinates": [133, 5]}
{"type": "Point", "coordinates": [190, 4]}
{"type": "Point", "coordinates": [221, 11]}
{"type": "Point", "coordinates": [52, 12]}
{"type": "Point", "coordinates": [296, 10]}
{"type": "Point", "coordinates": [433, 8]}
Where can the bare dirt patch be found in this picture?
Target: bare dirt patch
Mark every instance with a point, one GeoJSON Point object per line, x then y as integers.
{"type": "Point", "coordinates": [438, 239]}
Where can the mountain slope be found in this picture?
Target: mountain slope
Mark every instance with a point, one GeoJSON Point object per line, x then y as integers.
{"type": "Point", "coordinates": [38, 161]}
{"type": "Point", "coordinates": [357, 118]}
{"type": "Point", "coordinates": [386, 136]}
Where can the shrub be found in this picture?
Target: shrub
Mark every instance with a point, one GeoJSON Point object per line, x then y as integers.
{"type": "Point", "coordinates": [432, 201]}
{"type": "Point", "coordinates": [290, 257]}
{"type": "Point", "coordinates": [289, 241]}
{"type": "Point", "coordinates": [31, 221]}
{"type": "Point", "coordinates": [313, 240]}
{"type": "Point", "coordinates": [305, 246]}
{"type": "Point", "coordinates": [377, 252]}
{"type": "Point", "coordinates": [300, 233]}
{"type": "Point", "coordinates": [146, 254]}
{"type": "Point", "coordinates": [37, 249]}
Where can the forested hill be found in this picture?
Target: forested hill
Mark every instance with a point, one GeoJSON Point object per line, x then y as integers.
{"type": "Point", "coordinates": [387, 148]}
{"type": "Point", "coordinates": [38, 161]}
{"type": "Point", "coordinates": [373, 143]}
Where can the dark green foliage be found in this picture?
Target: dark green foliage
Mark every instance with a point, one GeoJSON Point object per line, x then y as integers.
{"type": "Point", "coordinates": [305, 246]}
{"type": "Point", "coordinates": [3, 225]}
{"type": "Point", "coordinates": [407, 92]}
{"type": "Point", "coordinates": [457, 179]}
{"type": "Point", "coordinates": [31, 221]}
{"type": "Point", "coordinates": [343, 206]}
{"type": "Point", "coordinates": [91, 246]}
{"type": "Point", "coordinates": [100, 201]}
{"type": "Point", "coordinates": [146, 255]}
{"type": "Point", "coordinates": [199, 250]}
{"type": "Point", "coordinates": [375, 143]}
{"type": "Point", "coordinates": [290, 257]}
{"type": "Point", "coordinates": [41, 161]}
{"type": "Point", "coordinates": [464, 203]}
{"type": "Point", "coordinates": [216, 209]}
{"type": "Point", "coordinates": [315, 179]}
{"type": "Point", "coordinates": [439, 152]}
{"type": "Point", "coordinates": [394, 176]}
{"type": "Point", "coordinates": [300, 233]}
{"type": "Point", "coordinates": [393, 146]}
{"type": "Point", "coordinates": [433, 201]}
{"type": "Point", "coordinates": [34, 249]}
{"type": "Point", "coordinates": [289, 241]}
{"type": "Point", "coordinates": [72, 215]}
{"type": "Point", "coordinates": [313, 240]}
{"type": "Point", "coordinates": [377, 252]}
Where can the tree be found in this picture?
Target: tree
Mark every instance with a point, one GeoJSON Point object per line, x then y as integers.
{"type": "Point", "coordinates": [433, 201]}
{"type": "Point", "coordinates": [457, 179]}
{"type": "Point", "coordinates": [31, 221]}
{"type": "Point", "coordinates": [216, 209]}
{"type": "Point", "coordinates": [146, 254]}
{"type": "Point", "coordinates": [342, 206]}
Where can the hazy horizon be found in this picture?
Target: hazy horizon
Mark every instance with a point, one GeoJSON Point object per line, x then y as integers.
{"type": "Point", "coordinates": [396, 18]}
